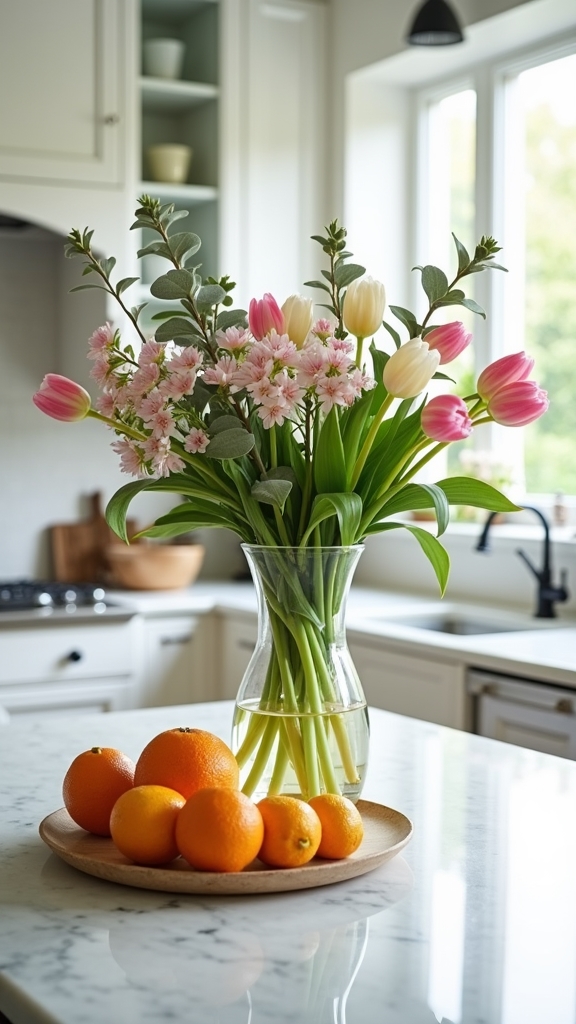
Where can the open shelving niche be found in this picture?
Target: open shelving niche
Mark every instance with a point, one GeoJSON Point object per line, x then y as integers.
{"type": "Point", "coordinates": [182, 111]}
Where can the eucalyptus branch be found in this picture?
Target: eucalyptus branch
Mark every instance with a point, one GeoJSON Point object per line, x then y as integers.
{"type": "Point", "coordinates": [80, 244]}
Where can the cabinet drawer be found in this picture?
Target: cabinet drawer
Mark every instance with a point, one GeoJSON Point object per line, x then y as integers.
{"type": "Point", "coordinates": [78, 652]}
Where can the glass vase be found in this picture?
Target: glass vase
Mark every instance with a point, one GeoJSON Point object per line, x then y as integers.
{"type": "Point", "coordinates": [301, 722]}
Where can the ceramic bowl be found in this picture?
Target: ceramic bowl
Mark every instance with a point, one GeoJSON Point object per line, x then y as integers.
{"type": "Point", "coordinates": [163, 58]}
{"type": "Point", "coordinates": [169, 163]}
{"type": "Point", "coordinates": [149, 566]}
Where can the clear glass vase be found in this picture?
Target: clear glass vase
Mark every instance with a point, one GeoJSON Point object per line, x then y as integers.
{"type": "Point", "coordinates": [301, 722]}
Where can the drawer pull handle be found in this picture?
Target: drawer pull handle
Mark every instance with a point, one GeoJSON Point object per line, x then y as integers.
{"type": "Point", "coordinates": [168, 641]}
{"type": "Point", "coordinates": [74, 656]}
{"type": "Point", "coordinates": [565, 705]}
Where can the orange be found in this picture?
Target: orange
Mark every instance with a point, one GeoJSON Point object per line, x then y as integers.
{"type": "Point", "coordinates": [342, 828]}
{"type": "Point", "coordinates": [187, 760]}
{"type": "Point", "coordinates": [292, 831]}
{"type": "Point", "coordinates": [143, 823]}
{"type": "Point", "coordinates": [92, 785]}
{"type": "Point", "coordinates": [219, 830]}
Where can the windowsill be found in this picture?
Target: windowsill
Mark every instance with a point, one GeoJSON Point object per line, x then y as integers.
{"type": "Point", "coordinates": [504, 531]}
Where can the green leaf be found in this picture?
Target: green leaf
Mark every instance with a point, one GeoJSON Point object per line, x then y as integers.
{"type": "Point", "coordinates": [117, 507]}
{"type": "Point", "coordinates": [176, 284]}
{"type": "Point", "coordinates": [463, 490]}
{"type": "Point", "coordinates": [442, 376]}
{"type": "Point", "coordinates": [216, 426]}
{"type": "Point", "coordinates": [209, 295]}
{"type": "Point", "coordinates": [125, 283]}
{"type": "Point", "coordinates": [191, 515]}
{"type": "Point", "coordinates": [434, 283]}
{"type": "Point", "coordinates": [136, 310]}
{"type": "Point", "coordinates": [432, 548]}
{"type": "Point", "coordinates": [200, 397]}
{"type": "Point", "coordinates": [176, 327]}
{"type": "Point", "coordinates": [346, 506]}
{"type": "Point", "coordinates": [379, 360]}
{"type": "Point", "coordinates": [329, 461]}
{"type": "Point", "coordinates": [230, 444]}
{"type": "Point", "coordinates": [155, 249]}
{"type": "Point", "coordinates": [183, 244]}
{"type": "Point", "coordinates": [441, 506]}
{"type": "Point", "coordinates": [474, 307]}
{"type": "Point", "coordinates": [84, 287]}
{"type": "Point", "coordinates": [231, 318]}
{"type": "Point", "coordinates": [345, 273]}
{"type": "Point", "coordinates": [463, 257]}
{"type": "Point", "coordinates": [407, 318]}
{"type": "Point", "coordinates": [317, 284]}
{"type": "Point", "coordinates": [108, 265]}
{"type": "Point", "coordinates": [272, 492]}
{"type": "Point", "coordinates": [394, 334]}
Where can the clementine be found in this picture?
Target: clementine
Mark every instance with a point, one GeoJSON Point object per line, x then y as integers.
{"type": "Point", "coordinates": [187, 760]}
{"type": "Point", "coordinates": [342, 828]}
{"type": "Point", "coordinates": [92, 785]}
{"type": "Point", "coordinates": [219, 830]}
{"type": "Point", "coordinates": [143, 823]}
{"type": "Point", "coordinates": [292, 831]}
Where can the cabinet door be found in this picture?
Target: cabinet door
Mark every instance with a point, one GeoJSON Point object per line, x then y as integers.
{"type": "Point", "coordinates": [169, 673]}
{"type": "Point", "coordinates": [59, 90]}
{"type": "Point", "coordinates": [239, 640]}
{"type": "Point", "coordinates": [431, 690]}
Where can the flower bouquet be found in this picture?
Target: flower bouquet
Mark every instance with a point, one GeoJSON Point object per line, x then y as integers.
{"type": "Point", "coordinates": [269, 423]}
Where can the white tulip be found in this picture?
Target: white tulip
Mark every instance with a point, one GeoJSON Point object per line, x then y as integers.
{"type": "Point", "coordinates": [298, 315]}
{"type": "Point", "coordinates": [409, 370]}
{"type": "Point", "coordinates": [364, 305]}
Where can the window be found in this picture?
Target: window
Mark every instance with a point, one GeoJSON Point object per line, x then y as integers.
{"type": "Point", "coordinates": [497, 154]}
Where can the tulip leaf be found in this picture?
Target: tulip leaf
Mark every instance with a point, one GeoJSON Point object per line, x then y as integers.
{"type": "Point", "coordinates": [329, 459]}
{"type": "Point", "coordinates": [432, 548]}
{"type": "Point", "coordinates": [117, 507]}
{"type": "Point", "coordinates": [463, 490]}
{"type": "Point", "coordinates": [230, 444]}
{"type": "Point", "coordinates": [434, 283]}
{"type": "Point", "coordinates": [345, 273]}
{"type": "Point", "coordinates": [347, 507]}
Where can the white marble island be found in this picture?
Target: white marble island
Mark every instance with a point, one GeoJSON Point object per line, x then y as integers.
{"type": "Point", "coordinates": [474, 924]}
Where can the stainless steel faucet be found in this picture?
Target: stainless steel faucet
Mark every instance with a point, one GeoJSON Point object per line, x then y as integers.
{"type": "Point", "coordinates": [548, 594]}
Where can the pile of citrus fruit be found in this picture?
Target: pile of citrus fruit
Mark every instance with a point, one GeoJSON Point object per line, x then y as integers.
{"type": "Point", "coordinates": [182, 798]}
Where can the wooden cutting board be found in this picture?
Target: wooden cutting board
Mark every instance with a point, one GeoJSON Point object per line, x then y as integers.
{"type": "Point", "coordinates": [78, 549]}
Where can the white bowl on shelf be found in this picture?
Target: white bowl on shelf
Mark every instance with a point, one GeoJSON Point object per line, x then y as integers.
{"type": "Point", "coordinates": [169, 162]}
{"type": "Point", "coordinates": [163, 58]}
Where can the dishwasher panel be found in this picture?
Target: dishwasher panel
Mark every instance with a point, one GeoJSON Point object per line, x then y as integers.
{"type": "Point", "coordinates": [528, 714]}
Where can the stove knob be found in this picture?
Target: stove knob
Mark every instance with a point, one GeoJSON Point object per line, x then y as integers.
{"type": "Point", "coordinates": [75, 656]}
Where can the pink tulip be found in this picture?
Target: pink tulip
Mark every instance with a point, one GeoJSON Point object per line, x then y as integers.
{"type": "Point", "coordinates": [445, 418]}
{"type": "Point", "coordinates": [265, 315]}
{"type": "Point", "coordinates": [507, 370]}
{"type": "Point", "coordinates": [519, 403]}
{"type": "Point", "coordinates": [62, 398]}
{"type": "Point", "coordinates": [449, 340]}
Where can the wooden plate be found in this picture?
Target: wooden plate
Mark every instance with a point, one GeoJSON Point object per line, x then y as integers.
{"type": "Point", "coordinates": [386, 832]}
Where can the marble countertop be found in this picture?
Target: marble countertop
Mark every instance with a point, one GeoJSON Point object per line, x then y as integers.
{"type": "Point", "coordinates": [474, 923]}
{"type": "Point", "coordinates": [543, 650]}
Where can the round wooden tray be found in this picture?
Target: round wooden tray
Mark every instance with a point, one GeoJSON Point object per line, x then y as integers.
{"type": "Point", "coordinates": [386, 832]}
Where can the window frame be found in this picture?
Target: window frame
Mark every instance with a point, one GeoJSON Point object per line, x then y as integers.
{"type": "Point", "coordinates": [490, 78]}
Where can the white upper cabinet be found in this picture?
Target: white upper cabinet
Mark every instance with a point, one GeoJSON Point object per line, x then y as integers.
{"type": "Point", "coordinates": [61, 111]}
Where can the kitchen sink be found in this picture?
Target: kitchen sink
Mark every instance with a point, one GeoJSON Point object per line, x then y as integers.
{"type": "Point", "coordinates": [463, 623]}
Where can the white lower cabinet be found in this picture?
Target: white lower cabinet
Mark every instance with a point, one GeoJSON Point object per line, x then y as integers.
{"type": "Point", "coordinates": [432, 690]}
{"type": "Point", "coordinates": [169, 672]}
{"type": "Point", "coordinates": [55, 669]}
{"type": "Point", "coordinates": [239, 633]}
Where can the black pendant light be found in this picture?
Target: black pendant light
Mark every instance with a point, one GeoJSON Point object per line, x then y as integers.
{"type": "Point", "coordinates": [435, 24]}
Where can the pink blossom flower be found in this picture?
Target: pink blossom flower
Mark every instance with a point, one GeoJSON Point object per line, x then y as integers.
{"type": "Point", "coordinates": [101, 370]}
{"type": "Point", "coordinates": [449, 340]}
{"type": "Point", "coordinates": [265, 315]}
{"type": "Point", "coordinates": [164, 461]}
{"type": "Point", "coordinates": [196, 441]}
{"type": "Point", "coordinates": [62, 399]}
{"type": "Point", "coordinates": [132, 458]}
{"type": "Point", "coordinates": [106, 404]}
{"type": "Point", "coordinates": [336, 358]}
{"type": "Point", "coordinates": [189, 358]}
{"type": "Point", "coordinates": [518, 403]}
{"type": "Point", "coordinates": [289, 389]}
{"type": "Point", "coordinates": [322, 329]}
{"type": "Point", "coordinates": [161, 424]}
{"type": "Point", "coordinates": [312, 363]}
{"type": "Point", "coordinates": [332, 391]}
{"type": "Point", "coordinates": [506, 370]}
{"type": "Point", "coordinates": [361, 381]}
{"type": "Point", "coordinates": [101, 340]}
{"type": "Point", "coordinates": [261, 389]}
{"type": "Point", "coordinates": [152, 404]}
{"type": "Point", "coordinates": [445, 418]}
{"type": "Point", "coordinates": [341, 344]}
{"type": "Point", "coordinates": [272, 411]}
{"type": "Point", "coordinates": [281, 349]}
{"type": "Point", "coordinates": [176, 385]}
{"type": "Point", "coordinates": [144, 380]}
{"type": "Point", "coordinates": [222, 373]}
{"type": "Point", "coordinates": [234, 339]}
{"type": "Point", "coordinates": [151, 352]}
